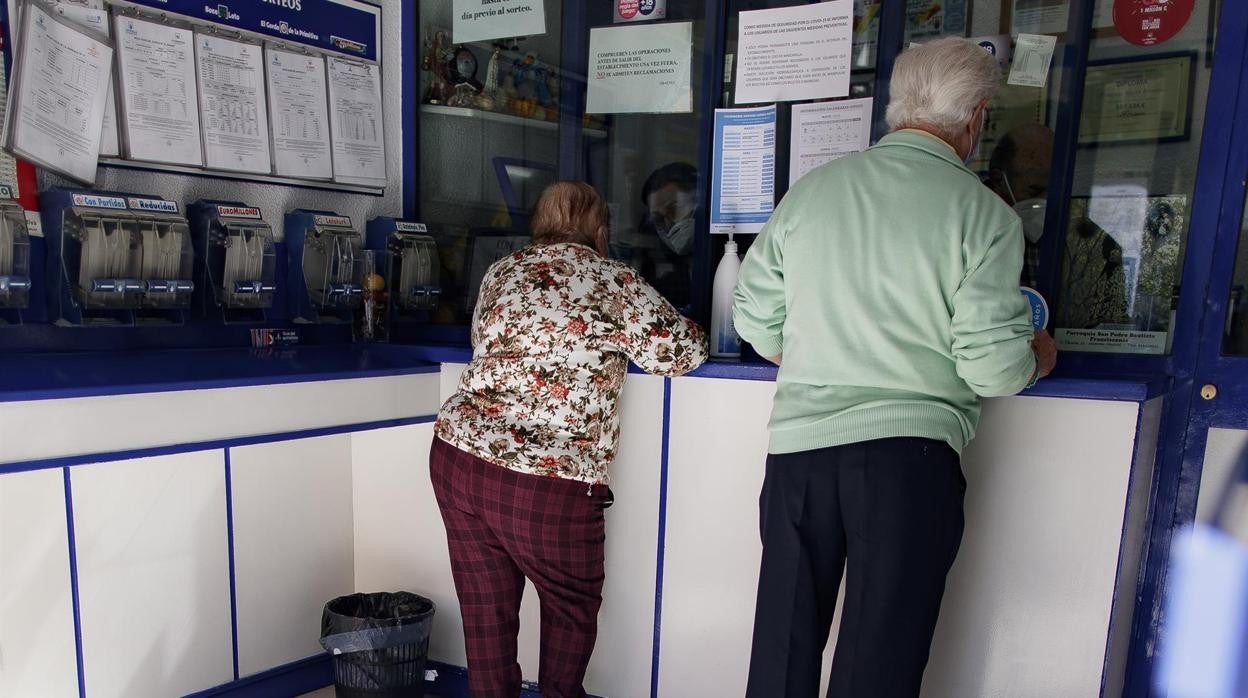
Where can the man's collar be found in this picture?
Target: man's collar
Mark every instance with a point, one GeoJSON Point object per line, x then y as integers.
{"type": "Point", "coordinates": [925, 141]}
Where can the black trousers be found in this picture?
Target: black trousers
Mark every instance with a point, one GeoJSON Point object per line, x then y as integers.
{"type": "Point", "coordinates": [889, 513]}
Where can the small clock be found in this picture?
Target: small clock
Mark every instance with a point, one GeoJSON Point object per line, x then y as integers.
{"type": "Point", "coordinates": [463, 67]}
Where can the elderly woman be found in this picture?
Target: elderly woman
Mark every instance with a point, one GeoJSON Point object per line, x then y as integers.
{"type": "Point", "coordinates": [519, 465]}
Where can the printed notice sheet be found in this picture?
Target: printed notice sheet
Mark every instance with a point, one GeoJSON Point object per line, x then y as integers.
{"type": "Point", "coordinates": [640, 69]}
{"type": "Point", "coordinates": [298, 104]}
{"type": "Point", "coordinates": [231, 96]}
{"type": "Point", "coordinates": [60, 89]}
{"type": "Point", "coordinates": [824, 131]}
{"type": "Point", "coordinates": [95, 18]}
{"type": "Point", "coordinates": [1032, 56]}
{"type": "Point", "coordinates": [159, 102]}
{"type": "Point", "coordinates": [795, 53]}
{"type": "Point", "coordinates": [482, 20]}
{"type": "Point", "coordinates": [355, 117]}
{"type": "Point", "coordinates": [743, 190]}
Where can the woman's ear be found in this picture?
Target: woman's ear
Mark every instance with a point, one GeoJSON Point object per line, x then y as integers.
{"type": "Point", "coordinates": [602, 240]}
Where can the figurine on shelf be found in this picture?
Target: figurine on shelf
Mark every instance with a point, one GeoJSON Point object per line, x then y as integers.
{"type": "Point", "coordinates": [434, 65]}
{"type": "Point", "coordinates": [489, 98]}
{"type": "Point", "coordinates": [465, 95]}
{"type": "Point", "coordinates": [524, 101]}
{"type": "Point", "coordinates": [463, 67]}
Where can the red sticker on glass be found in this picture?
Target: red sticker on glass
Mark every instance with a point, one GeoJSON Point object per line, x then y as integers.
{"type": "Point", "coordinates": [628, 8]}
{"type": "Point", "coordinates": [1151, 22]}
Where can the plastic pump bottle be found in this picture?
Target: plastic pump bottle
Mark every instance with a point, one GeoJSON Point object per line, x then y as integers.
{"type": "Point", "coordinates": [725, 344]}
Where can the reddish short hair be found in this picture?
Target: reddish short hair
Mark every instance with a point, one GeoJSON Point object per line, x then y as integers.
{"type": "Point", "coordinates": [569, 212]}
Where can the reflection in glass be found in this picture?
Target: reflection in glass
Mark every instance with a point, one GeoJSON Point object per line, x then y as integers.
{"type": "Point", "coordinates": [1135, 170]}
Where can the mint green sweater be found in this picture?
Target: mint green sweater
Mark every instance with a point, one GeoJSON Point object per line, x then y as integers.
{"type": "Point", "coordinates": [888, 280]}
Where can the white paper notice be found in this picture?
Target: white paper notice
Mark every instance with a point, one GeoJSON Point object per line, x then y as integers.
{"type": "Point", "coordinates": [298, 100]}
{"type": "Point", "coordinates": [640, 69]}
{"type": "Point", "coordinates": [60, 92]}
{"type": "Point", "coordinates": [95, 18]}
{"type": "Point", "coordinates": [482, 20]}
{"type": "Point", "coordinates": [1032, 55]}
{"type": "Point", "coordinates": [355, 118]}
{"type": "Point", "coordinates": [824, 131]}
{"type": "Point", "coordinates": [231, 97]}
{"type": "Point", "coordinates": [795, 53]}
{"type": "Point", "coordinates": [159, 102]}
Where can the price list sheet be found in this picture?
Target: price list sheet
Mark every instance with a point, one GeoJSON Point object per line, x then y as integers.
{"type": "Point", "coordinates": [159, 100]}
{"type": "Point", "coordinates": [355, 115]}
{"type": "Point", "coordinates": [298, 100]}
{"type": "Point", "coordinates": [231, 94]}
{"type": "Point", "coordinates": [744, 185]}
{"type": "Point", "coordinates": [59, 94]}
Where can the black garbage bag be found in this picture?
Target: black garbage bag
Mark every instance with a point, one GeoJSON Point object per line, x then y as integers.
{"type": "Point", "coordinates": [380, 643]}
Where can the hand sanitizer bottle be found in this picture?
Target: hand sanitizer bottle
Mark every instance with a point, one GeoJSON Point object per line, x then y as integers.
{"type": "Point", "coordinates": [725, 344]}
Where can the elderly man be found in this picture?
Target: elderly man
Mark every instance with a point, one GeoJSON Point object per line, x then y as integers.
{"type": "Point", "coordinates": [889, 282]}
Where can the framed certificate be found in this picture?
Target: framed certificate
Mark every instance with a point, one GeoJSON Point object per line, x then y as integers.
{"type": "Point", "coordinates": [1142, 100]}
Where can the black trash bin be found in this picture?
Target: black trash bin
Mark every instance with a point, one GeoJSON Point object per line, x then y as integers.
{"type": "Point", "coordinates": [379, 642]}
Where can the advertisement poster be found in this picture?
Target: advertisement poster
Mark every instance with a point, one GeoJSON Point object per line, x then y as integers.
{"type": "Point", "coordinates": [1120, 274]}
{"type": "Point", "coordinates": [640, 10]}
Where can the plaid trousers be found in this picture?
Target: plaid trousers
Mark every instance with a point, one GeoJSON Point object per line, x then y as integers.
{"type": "Point", "coordinates": [501, 527]}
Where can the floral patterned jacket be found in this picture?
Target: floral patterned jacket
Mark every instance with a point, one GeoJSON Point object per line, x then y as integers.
{"type": "Point", "coordinates": [554, 328]}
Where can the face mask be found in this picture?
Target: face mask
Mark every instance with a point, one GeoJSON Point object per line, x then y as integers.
{"type": "Point", "coordinates": [678, 237]}
{"type": "Point", "coordinates": [1031, 212]}
{"type": "Point", "coordinates": [979, 138]}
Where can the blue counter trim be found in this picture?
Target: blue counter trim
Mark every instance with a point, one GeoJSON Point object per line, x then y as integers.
{"type": "Point", "coordinates": [215, 445]}
{"type": "Point", "coordinates": [662, 540]}
{"type": "Point", "coordinates": [294, 679]}
{"type": "Point", "coordinates": [73, 581]}
{"type": "Point", "coordinates": [30, 377]}
{"type": "Point", "coordinates": [229, 539]}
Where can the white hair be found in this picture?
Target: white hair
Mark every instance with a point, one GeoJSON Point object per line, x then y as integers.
{"type": "Point", "coordinates": [939, 84]}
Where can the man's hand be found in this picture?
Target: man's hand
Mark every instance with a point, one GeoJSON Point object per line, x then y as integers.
{"type": "Point", "coordinates": [776, 359]}
{"type": "Point", "coordinates": [1046, 353]}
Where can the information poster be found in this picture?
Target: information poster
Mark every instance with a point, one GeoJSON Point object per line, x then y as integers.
{"type": "Point", "coordinates": [795, 53]}
{"type": "Point", "coordinates": [1121, 270]}
{"type": "Point", "coordinates": [1052, 16]}
{"type": "Point", "coordinates": [643, 69]}
{"type": "Point", "coordinates": [92, 15]}
{"type": "Point", "coordinates": [1033, 54]}
{"type": "Point", "coordinates": [231, 95]}
{"type": "Point", "coordinates": [159, 100]}
{"type": "Point", "coordinates": [482, 20]}
{"type": "Point", "coordinates": [1137, 101]}
{"type": "Point", "coordinates": [298, 104]}
{"type": "Point", "coordinates": [59, 94]}
{"type": "Point", "coordinates": [355, 115]}
{"type": "Point", "coordinates": [930, 19]}
{"type": "Point", "coordinates": [743, 192]}
{"type": "Point", "coordinates": [824, 131]}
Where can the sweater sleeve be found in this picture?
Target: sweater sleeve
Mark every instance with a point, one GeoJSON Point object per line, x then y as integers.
{"type": "Point", "coordinates": [992, 331]}
{"type": "Point", "coordinates": [758, 311]}
{"type": "Point", "coordinates": [653, 333]}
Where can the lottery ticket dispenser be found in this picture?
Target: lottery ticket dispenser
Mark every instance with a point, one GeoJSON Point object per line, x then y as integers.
{"type": "Point", "coordinates": [15, 280]}
{"type": "Point", "coordinates": [324, 273]}
{"type": "Point", "coordinates": [411, 267]}
{"type": "Point", "coordinates": [238, 276]}
{"type": "Point", "coordinates": [95, 257]}
{"type": "Point", "coordinates": [168, 254]}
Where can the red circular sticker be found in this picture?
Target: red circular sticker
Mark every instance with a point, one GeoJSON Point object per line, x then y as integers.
{"type": "Point", "coordinates": [1151, 22]}
{"type": "Point", "coordinates": [628, 8]}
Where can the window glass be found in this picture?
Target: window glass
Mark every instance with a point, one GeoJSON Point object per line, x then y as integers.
{"type": "Point", "coordinates": [489, 144]}
{"type": "Point", "coordinates": [1235, 338]}
{"type": "Point", "coordinates": [1135, 169]}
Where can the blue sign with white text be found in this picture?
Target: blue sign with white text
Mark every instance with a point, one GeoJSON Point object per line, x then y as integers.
{"type": "Point", "coordinates": [1039, 308]}
{"type": "Point", "coordinates": [347, 27]}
